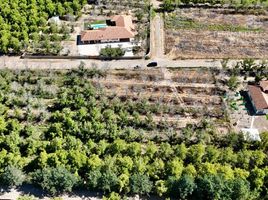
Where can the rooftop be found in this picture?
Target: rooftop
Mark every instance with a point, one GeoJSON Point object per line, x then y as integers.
{"type": "Point", "coordinates": [259, 98]}
{"type": "Point", "coordinates": [123, 29]}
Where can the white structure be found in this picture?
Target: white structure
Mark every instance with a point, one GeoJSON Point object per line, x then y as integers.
{"type": "Point", "coordinates": [94, 49]}
{"type": "Point", "coordinates": [251, 134]}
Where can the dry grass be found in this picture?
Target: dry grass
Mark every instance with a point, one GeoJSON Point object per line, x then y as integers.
{"type": "Point", "coordinates": [201, 33]}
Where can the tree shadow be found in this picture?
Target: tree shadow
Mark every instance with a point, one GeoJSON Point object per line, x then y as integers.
{"type": "Point", "coordinates": [32, 190]}
{"type": "Point", "coordinates": [85, 194]}
{"type": "Point", "coordinates": [4, 189]}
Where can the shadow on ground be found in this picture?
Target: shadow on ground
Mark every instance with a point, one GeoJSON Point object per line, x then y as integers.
{"type": "Point", "coordinates": [248, 104]}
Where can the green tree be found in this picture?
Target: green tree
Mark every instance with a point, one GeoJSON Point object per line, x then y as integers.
{"type": "Point", "coordinates": [182, 188]}
{"type": "Point", "coordinates": [12, 176]}
{"type": "Point", "coordinates": [93, 179]}
{"type": "Point", "coordinates": [213, 187]}
{"type": "Point", "coordinates": [161, 187]}
{"type": "Point", "coordinates": [241, 189]}
{"type": "Point", "coordinates": [55, 180]}
{"type": "Point", "coordinates": [168, 5]}
{"type": "Point", "coordinates": [108, 181]}
{"type": "Point", "coordinates": [140, 184]}
{"type": "Point", "coordinates": [233, 83]}
{"type": "Point", "coordinates": [109, 52]}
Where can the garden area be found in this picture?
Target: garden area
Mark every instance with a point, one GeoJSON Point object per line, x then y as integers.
{"type": "Point", "coordinates": [115, 133]}
{"type": "Point", "coordinates": [215, 33]}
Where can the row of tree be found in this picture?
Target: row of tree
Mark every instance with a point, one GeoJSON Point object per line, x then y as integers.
{"type": "Point", "coordinates": [21, 21]}
{"type": "Point", "coordinates": [170, 5]}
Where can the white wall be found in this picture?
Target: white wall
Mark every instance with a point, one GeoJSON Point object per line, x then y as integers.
{"type": "Point", "coordinates": [94, 49]}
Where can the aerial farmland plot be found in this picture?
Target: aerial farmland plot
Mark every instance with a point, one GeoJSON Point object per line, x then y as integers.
{"type": "Point", "coordinates": [216, 33]}
{"type": "Point", "coordinates": [167, 98]}
{"type": "Point", "coordinates": [152, 101]}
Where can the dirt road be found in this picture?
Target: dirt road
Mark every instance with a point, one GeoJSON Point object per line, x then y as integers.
{"type": "Point", "coordinates": [17, 63]}
{"type": "Point", "coordinates": [157, 37]}
{"type": "Point", "coordinates": [157, 33]}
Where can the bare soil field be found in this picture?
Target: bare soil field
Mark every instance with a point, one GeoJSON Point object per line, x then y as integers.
{"type": "Point", "coordinates": [215, 33]}
{"type": "Point", "coordinates": [173, 97]}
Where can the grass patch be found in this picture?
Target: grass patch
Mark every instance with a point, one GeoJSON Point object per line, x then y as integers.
{"type": "Point", "coordinates": [99, 22]}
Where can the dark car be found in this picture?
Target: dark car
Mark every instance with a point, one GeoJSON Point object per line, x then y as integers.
{"type": "Point", "coordinates": [152, 64]}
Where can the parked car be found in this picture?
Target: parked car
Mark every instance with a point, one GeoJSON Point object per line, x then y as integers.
{"type": "Point", "coordinates": [152, 64]}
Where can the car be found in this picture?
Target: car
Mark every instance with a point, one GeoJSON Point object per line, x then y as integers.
{"type": "Point", "coordinates": [152, 64]}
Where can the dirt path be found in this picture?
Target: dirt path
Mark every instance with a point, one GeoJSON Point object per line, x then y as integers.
{"type": "Point", "coordinates": [157, 37]}
{"type": "Point", "coordinates": [157, 33]}
{"type": "Point", "coordinates": [17, 63]}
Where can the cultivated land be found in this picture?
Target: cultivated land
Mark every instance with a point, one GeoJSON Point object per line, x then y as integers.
{"type": "Point", "coordinates": [173, 97]}
{"type": "Point", "coordinates": [87, 129]}
{"type": "Point", "coordinates": [215, 33]}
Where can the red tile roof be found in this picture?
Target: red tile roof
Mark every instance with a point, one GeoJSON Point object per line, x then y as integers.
{"type": "Point", "coordinates": [123, 21]}
{"type": "Point", "coordinates": [259, 98]}
{"type": "Point", "coordinates": [123, 29]}
{"type": "Point", "coordinates": [109, 33]}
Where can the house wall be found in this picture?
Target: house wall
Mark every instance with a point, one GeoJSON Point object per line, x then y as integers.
{"type": "Point", "coordinates": [112, 40]}
{"type": "Point", "coordinates": [108, 41]}
{"type": "Point", "coordinates": [94, 49]}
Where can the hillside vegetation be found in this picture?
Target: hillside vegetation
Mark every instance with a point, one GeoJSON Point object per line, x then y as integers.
{"type": "Point", "coordinates": [60, 132]}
